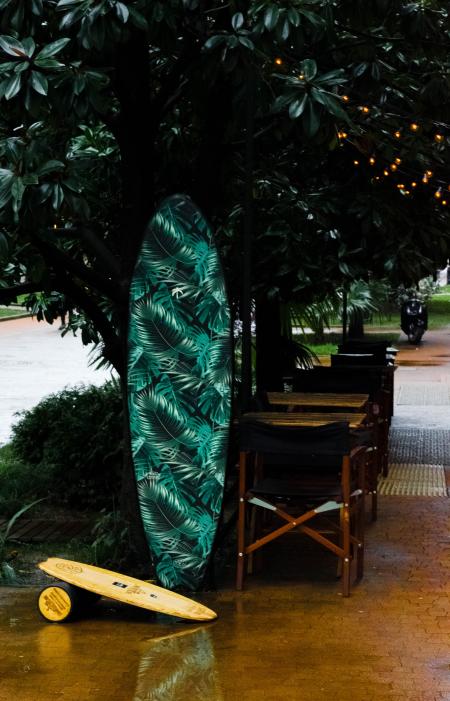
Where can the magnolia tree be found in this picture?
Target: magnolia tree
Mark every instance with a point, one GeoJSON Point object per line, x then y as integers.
{"type": "Point", "coordinates": [313, 134]}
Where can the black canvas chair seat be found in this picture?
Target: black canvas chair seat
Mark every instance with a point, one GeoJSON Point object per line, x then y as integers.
{"type": "Point", "coordinates": [299, 473]}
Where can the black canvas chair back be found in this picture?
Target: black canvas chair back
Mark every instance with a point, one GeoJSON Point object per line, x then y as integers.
{"type": "Point", "coordinates": [318, 445]}
{"type": "Point", "coordinates": [339, 380]}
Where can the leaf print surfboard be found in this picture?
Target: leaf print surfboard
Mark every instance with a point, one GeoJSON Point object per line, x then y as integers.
{"type": "Point", "coordinates": [179, 390]}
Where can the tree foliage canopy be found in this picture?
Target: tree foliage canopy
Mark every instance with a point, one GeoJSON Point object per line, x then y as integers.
{"type": "Point", "coordinates": [108, 106]}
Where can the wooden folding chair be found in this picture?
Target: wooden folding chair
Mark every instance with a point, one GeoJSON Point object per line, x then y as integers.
{"type": "Point", "coordinates": [301, 473]}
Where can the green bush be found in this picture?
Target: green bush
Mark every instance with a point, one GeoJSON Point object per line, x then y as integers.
{"type": "Point", "coordinates": [70, 446]}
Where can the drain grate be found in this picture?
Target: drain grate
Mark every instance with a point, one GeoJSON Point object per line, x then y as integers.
{"type": "Point", "coordinates": [412, 480]}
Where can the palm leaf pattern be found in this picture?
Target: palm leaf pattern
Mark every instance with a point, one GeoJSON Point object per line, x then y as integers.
{"type": "Point", "coordinates": [179, 390]}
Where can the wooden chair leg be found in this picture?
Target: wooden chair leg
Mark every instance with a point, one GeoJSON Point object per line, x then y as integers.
{"type": "Point", "coordinates": [346, 549]}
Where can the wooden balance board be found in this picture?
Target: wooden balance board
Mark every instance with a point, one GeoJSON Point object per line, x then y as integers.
{"type": "Point", "coordinates": [179, 390]}
{"type": "Point", "coordinates": [58, 602]}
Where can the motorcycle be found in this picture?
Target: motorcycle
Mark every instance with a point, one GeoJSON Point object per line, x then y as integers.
{"type": "Point", "coordinates": [414, 319]}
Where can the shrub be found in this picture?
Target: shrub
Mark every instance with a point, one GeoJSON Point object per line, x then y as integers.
{"type": "Point", "coordinates": [71, 443]}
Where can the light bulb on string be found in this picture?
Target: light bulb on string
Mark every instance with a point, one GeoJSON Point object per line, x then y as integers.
{"type": "Point", "coordinates": [398, 134]}
{"type": "Point", "coordinates": [345, 98]}
{"type": "Point", "coordinates": [429, 173]}
{"type": "Point", "coordinates": [385, 172]}
{"type": "Point", "coordinates": [393, 167]}
{"type": "Point", "coordinates": [400, 186]}
{"type": "Point", "coordinates": [439, 138]}
{"type": "Point", "coordinates": [438, 193]}
{"type": "Point", "coordinates": [425, 180]}
{"type": "Point", "coordinates": [414, 126]}
{"type": "Point", "coordinates": [279, 61]}
{"type": "Point", "coordinates": [356, 162]}
{"type": "Point", "coordinates": [444, 202]}
{"type": "Point", "coordinates": [364, 109]}
{"type": "Point", "coordinates": [398, 160]}
{"type": "Point", "coordinates": [413, 184]}
{"type": "Point", "coordinates": [372, 161]}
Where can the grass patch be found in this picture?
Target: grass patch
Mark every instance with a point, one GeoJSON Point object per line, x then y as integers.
{"type": "Point", "coordinates": [334, 338]}
{"type": "Point", "coordinates": [12, 312]}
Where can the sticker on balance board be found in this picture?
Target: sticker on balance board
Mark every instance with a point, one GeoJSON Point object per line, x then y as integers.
{"type": "Point", "coordinates": [179, 390]}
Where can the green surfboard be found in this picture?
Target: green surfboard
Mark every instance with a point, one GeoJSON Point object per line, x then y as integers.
{"type": "Point", "coordinates": [179, 390]}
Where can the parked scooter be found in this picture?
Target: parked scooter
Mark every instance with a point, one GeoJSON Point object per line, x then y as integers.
{"type": "Point", "coordinates": [414, 319]}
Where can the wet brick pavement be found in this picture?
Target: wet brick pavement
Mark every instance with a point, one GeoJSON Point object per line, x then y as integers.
{"type": "Point", "coordinates": [289, 635]}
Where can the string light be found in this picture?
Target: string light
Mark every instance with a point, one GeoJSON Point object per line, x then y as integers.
{"type": "Point", "coordinates": [342, 134]}
{"type": "Point", "coordinates": [372, 161]}
{"type": "Point", "coordinates": [279, 61]}
{"type": "Point", "coordinates": [400, 186]}
{"type": "Point", "coordinates": [438, 138]}
{"type": "Point", "coordinates": [365, 109]}
{"type": "Point", "coordinates": [398, 160]}
{"type": "Point", "coordinates": [345, 98]}
{"type": "Point", "coordinates": [385, 172]}
{"type": "Point", "coordinates": [438, 194]}
{"type": "Point", "coordinates": [393, 167]}
{"type": "Point", "coordinates": [414, 126]}
{"type": "Point", "coordinates": [355, 162]}
{"type": "Point", "coordinates": [301, 76]}
{"type": "Point", "coordinates": [444, 202]}
{"type": "Point", "coordinates": [398, 134]}
{"type": "Point", "coordinates": [429, 173]}
{"type": "Point", "coordinates": [414, 184]}
{"type": "Point", "coordinates": [425, 180]}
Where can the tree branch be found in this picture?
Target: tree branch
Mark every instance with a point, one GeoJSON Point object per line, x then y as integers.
{"type": "Point", "coordinates": [8, 294]}
{"type": "Point", "coordinates": [62, 260]}
{"type": "Point", "coordinates": [106, 329]}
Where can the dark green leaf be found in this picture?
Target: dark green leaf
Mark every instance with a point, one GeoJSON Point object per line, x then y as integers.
{"type": "Point", "coordinates": [3, 246]}
{"type": "Point", "coordinates": [237, 20]}
{"type": "Point", "coordinates": [309, 68]}
{"type": "Point", "coordinates": [57, 197]}
{"type": "Point", "coordinates": [311, 119]}
{"type": "Point", "coordinates": [360, 69]}
{"type": "Point", "coordinates": [52, 49]}
{"type": "Point", "coordinates": [51, 166]}
{"type": "Point", "coordinates": [296, 107]}
{"type": "Point", "coordinates": [39, 82]}
{"type": "Point", "coordinates": [271, 17]}
{"type": "Point", "coordinates": [12, 87]}
{"type": "Point", "coordinates": [12, 46]}
{"type": "Point", "coordinates": [122, 12]}
{"type": "Point", "coordinates": [214, 41]}
{"type": "Point", "coordinates": [245, 41]}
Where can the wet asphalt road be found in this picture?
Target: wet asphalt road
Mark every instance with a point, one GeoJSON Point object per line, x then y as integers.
{"type": "Point", "coordinates": [34, 362]}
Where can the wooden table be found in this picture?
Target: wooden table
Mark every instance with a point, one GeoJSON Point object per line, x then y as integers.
{"type": "Point", "coordinates": [329, 401]}
{"type": "Point", "coordinates": [305, 418]}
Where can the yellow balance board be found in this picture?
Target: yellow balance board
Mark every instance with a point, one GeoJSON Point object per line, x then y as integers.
{"type": "Point", "coordinates": [55, 602]}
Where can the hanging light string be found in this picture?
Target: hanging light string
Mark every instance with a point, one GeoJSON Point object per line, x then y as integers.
{"type": "Point", "coordinates": [390, 167]}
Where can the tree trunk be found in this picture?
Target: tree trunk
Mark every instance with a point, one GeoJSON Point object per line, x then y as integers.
{"type": "Point", "coordinates": [356, 325]}
{"type": "Point", "coordinates": [269, 346]}
{"type": "Point", "coordinates": [138, 555]}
